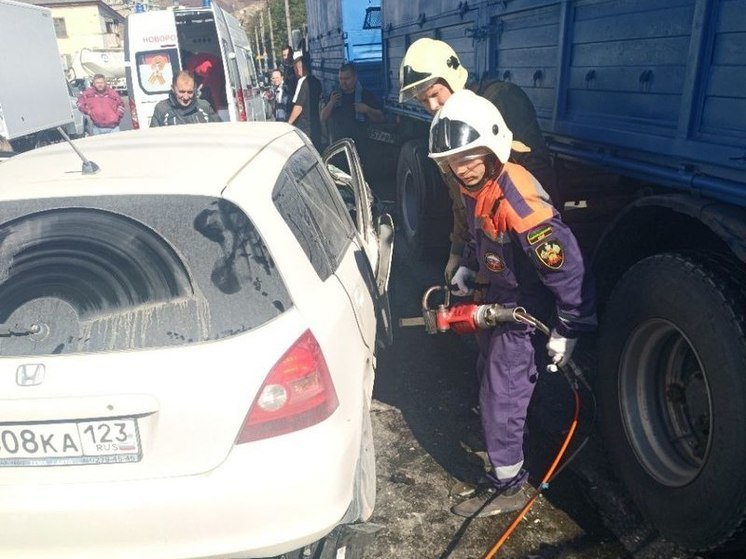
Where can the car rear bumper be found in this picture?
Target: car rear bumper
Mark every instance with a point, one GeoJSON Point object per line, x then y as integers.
{"type": "Point", "coordinates": [258, 503]}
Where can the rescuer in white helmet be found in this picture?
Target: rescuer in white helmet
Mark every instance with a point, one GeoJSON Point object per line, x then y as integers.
{"type": "Point", "coordinates": [430, 72]}
{"type": "Point", "coordinates": [520, 254]}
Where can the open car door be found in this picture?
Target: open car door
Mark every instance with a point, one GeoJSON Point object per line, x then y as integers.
{"type": "Point", "coordinates": [375, 228]}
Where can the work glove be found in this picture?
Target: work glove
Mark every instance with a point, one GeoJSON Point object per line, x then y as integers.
{"type": "Point", "coordinates": [560, 349]}
{"type": "Point", "coordinates": [462, 281]}
{"type": "Point", "coordinates": [451, 266]}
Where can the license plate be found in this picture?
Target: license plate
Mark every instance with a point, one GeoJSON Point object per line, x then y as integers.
{"type": "Point", "coordinates": [80, 442]}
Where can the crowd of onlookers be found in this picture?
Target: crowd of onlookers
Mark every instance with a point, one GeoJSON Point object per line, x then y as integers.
{"type": "Point", "coordinates": [296, 97]}
{"type": "Point", "coordinates": [293, 95]}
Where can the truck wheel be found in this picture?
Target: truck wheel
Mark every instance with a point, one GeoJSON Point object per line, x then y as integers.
{"type": "Point", "coordinates": [422, 200]}
{"type": "Point", "coordinates": [672, 394]}
{"type": "Point", "coordinates": [364, 489]}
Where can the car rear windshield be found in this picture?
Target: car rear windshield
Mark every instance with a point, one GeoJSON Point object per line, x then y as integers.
{"type": "Point", "coordinates": [82, 275]}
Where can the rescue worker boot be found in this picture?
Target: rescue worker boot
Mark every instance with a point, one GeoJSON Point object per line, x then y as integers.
{"type": "Point", "coordinates": [490, 501]}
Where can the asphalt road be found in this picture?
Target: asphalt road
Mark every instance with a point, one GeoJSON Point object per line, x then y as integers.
{"type": "Point", "coordinates": [423, 396]}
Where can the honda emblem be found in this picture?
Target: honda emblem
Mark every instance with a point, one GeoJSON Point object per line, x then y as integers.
{"type": "Point", "coordinates": [30, 375]}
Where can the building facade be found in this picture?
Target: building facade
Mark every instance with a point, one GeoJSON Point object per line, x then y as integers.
{"type": "Point", "coordinates": [85, 26]}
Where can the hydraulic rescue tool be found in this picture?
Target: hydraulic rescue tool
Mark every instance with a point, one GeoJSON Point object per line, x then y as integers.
{"type": "Point", "coordinates": [463, 318]}
{"type": "Point", "coordinates": [467, 318]}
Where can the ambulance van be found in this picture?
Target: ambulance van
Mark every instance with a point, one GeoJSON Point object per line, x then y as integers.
{"type": "Point", "coordinates": [208, 41]}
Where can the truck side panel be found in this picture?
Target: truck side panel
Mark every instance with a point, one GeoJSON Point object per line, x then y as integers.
{"type": "Point", "coordinates": [336, 35]}
{"type": "Point", "coordinates": [643, 105]}
{"type": "Point", "coordinates": [724, 108]}
{"type": "Point", "coordinates": [650, 78]}
{"type": "Point", "coordinates": [325, 40]}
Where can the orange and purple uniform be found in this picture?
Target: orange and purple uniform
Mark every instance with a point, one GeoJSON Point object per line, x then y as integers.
{"type": "Point", "coordinates": [525, 256]}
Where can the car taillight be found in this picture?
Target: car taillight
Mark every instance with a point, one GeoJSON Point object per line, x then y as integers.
{"type": "Point", "coordinates": [240, 105]}
{"type": "Point", "coordinates": [133, 112]}
{"type": "Point", "coordinates": [297, 393]}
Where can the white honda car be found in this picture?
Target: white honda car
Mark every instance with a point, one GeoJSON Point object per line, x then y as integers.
{"type": "Point", "coordinates": [188, 333]}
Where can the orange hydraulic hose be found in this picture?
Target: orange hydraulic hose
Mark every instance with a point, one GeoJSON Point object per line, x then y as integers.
{"type": "Point", "coordinates": [544, 482]}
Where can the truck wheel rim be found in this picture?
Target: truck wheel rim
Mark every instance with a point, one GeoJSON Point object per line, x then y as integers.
{"type": "Point", "coordinates": [666, 403]}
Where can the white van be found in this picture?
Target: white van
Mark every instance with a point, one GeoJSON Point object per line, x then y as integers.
{"type": "Point", "coordinates": [158, 44]}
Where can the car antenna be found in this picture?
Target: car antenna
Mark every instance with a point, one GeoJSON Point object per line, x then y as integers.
{"type": "Point", "coordinates": [89, 167]}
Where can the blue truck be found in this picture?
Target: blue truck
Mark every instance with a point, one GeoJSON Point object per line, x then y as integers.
{"type": "Point", "coordinates": [643, 106]}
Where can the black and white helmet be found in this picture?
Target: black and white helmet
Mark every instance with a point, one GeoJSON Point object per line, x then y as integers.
{"type": "Point", "coordinates": [468, 122]}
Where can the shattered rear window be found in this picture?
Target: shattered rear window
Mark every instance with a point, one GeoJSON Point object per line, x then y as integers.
{"type": "Point", "coordinates": [82, 275]}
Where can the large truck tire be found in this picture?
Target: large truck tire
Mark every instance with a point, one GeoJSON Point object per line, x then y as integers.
{"type": "Point", "coordinates": [422, 201]}
{"type": "Point", "coordinates": [672, 397]}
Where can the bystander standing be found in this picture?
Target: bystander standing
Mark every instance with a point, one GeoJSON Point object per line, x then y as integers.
{"type": "Point", "coordinates": [288, 72]}
{"type": "Point", "coordinates": [349, 110]}
{"type": "Point", "coordinates": [305, 111]}
{"type": "Point", "coordinates": [279, 96]}
{"type": "Point", "coordinates": [102, 105]}
{"type": "Point", "coordinates": [182, 105]}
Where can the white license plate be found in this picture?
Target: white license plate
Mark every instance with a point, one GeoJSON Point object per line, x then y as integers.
{"type": "Point", "coordinates": [79, 442]}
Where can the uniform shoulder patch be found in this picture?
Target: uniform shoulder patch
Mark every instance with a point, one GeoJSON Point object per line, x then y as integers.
{"type": "Point", "coordinates": [539, 234]}
{"type": "Point", "coordinates": [493, 262]}
{"type": "Point", "coordinates": [551, 254]}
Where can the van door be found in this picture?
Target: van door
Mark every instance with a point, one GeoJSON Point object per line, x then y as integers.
{"type": "Point", "coordinates": [239, 61]}
{"type": "Point", "coordinates": [229, 66]}
{"type": "Point", "coordinates": [233, 89]}
{"type": "Point", "coordinates": [202, 53]}
{"type": "Point", "coordinates": [257, 106]}
{"type": "Point", "coordinates": [151, 59]}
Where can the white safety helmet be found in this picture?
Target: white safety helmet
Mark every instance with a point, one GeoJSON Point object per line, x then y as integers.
{"type": "Point", "coordinates": [425, 62]}
{"type": "Point", "coordinates": [466, 122]}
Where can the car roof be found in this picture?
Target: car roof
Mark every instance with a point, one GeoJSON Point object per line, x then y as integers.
{"type": "Point", "coordinates": [197, 159]}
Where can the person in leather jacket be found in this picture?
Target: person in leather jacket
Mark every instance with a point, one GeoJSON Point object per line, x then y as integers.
{"type": "Point", "coordinates": [183, 106]}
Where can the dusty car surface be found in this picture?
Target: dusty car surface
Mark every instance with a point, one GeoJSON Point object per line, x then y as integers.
{"type": "Point", "coordinates": [187, 344]}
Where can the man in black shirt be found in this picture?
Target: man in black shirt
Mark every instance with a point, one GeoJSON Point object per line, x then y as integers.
{"type": "Point", "coordinates": [350, 108]}
{"type": "Point", "coordinates": [305, 111]}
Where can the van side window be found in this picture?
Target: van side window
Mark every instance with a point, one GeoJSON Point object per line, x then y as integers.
{"type": "Point", "coordinates": [234, 77]}
{"type": "Point", "coordinates": [156, 70]}
{"type": "Point", "coordinates": [250, 65]}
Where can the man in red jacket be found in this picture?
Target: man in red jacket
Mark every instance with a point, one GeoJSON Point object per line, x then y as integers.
{"type": "Point", "coordinates": [102, 105]}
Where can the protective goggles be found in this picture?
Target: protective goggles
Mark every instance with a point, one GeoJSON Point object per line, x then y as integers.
{"type": "Point", "coordinates": [413, 83]}
{"type": "Point", "coordinates": [410, 77]}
